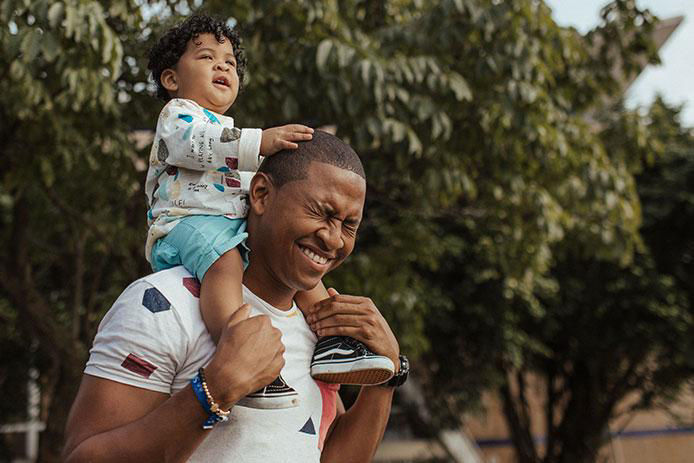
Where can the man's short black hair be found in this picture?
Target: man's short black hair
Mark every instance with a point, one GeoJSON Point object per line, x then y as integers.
{"type": "Point", "coordinates": [289, 165]}
{"type": "Point", "coordinates": [171, 46]}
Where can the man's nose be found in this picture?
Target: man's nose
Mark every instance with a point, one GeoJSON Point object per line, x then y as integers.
{"type": "Point", "coordinates": [331, 235]}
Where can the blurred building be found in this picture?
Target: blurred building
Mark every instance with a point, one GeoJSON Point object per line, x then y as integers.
{"type": "Point", "coordinates": [645, 437]}
{"type": "Point", "coordinates": [654, 436]}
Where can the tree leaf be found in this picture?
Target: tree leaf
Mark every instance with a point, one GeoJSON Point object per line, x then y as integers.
{"type": "Point", "coordinates": [460, 87]}
{"type": "Point", "coordinates": [322, 53]}
{"type": "Point", "coordinates": [30, 44]}
{"type": "Point", "coordinates": [50, 47]}
{"type": "Point", "coordinates": [55, 14]}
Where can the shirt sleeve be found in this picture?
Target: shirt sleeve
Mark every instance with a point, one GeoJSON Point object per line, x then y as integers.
{"type": "Point", "coordinates": [195, 138]}
{"type": "Point", "coordinates": [140, 342]}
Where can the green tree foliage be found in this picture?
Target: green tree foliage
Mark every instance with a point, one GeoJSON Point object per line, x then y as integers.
{"type": "Point", "coordinates": [667, 194]}
{"type": "Point", "coordinates": [614, 339]}
{"type": "Point", "coordinates": [69, 191]}
{"type": "Point", "coordinates": [496, 170]}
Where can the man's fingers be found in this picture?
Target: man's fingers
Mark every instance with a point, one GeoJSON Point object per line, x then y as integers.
{"type": "Point", "coordinates": [324, 302]}
{"type": "Point", "coordinates": [341, 298]}
{"type": "Point", "coordinates": [337, 308]}
{"type": "Point", "coordinates": [351, 331]}
{"type": "Point", "coordinates": [340, 320]}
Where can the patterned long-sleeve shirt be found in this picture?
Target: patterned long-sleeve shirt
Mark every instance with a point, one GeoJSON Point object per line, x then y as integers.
{"type": "Point", "coordinates": [200, 164]}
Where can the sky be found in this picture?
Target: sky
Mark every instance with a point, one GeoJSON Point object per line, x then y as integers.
{"type": "Point", "coordinates": [674, 77]}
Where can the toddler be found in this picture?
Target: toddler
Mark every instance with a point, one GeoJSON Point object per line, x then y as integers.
{"type": "Point", "coordinates": [200, 168]}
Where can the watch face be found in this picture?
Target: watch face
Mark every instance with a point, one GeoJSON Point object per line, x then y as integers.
{"type": "Point", "coordinates": [401, 377]}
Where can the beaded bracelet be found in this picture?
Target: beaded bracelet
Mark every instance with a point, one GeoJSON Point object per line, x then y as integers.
{"type": "Point", "coordinates": [214, 413]}
{"type": "Point", "coordinates": [214, 407]}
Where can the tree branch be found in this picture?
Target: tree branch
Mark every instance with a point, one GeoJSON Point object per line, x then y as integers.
{"type": "Point", "coordinates": [78, 296]}
{"type": "Point", "coordinates": [520, 433]}
{"type": "Point", "coordinates": [75, 215]}
{"type": "Point", "coordinates": [549, 416]}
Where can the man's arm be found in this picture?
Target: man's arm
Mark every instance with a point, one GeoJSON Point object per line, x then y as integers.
{"type": "Point", "coordinates": [111, 421]}
{"type": "Point", "coordinates": [356, 433]}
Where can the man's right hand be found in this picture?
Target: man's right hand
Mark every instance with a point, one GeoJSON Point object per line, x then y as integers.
{"type": "Point", "coordinates": [249, 356]}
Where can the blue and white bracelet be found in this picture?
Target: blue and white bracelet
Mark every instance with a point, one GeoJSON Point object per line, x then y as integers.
{"type": "Point", "coordinates": [215, 414]}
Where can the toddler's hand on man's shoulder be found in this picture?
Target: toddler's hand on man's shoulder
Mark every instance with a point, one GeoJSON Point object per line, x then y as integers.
{"type": "Point", "coordinates": [276, 139]}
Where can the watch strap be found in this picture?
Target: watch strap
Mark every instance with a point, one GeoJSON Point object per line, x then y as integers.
{"type": "Point", "coordinates": [401, 376]}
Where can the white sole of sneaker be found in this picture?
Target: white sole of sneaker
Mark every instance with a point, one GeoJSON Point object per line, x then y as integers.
{"type": "Point", "coordinates": [270, 403]}
{"type": "Point", "coordinates": [365, 372]}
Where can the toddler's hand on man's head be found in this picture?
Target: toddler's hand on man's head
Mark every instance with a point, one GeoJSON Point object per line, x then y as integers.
{"type": "Point", "coordinates": [284, 137]}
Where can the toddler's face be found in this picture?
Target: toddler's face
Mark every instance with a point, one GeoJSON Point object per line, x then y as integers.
{"type": "Point", "coordinates": [205, 73]}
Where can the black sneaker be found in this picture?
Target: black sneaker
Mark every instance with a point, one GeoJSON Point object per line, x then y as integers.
{"type": "Point", "coordinates": [273, 396]}
{"type": "Point", "coordinates": [344, 360]}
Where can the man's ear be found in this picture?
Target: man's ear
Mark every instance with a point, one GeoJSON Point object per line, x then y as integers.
{"type": "Point", "coordinates": [169, 80]}
{"type": "Point", "coordinates": [260, 192]}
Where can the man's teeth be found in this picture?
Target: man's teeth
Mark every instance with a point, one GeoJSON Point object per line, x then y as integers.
{"type": "Point", "coordinates": [314, 257]}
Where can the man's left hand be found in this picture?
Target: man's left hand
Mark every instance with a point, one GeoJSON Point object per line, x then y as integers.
{"type": "Point", "coordinates": [357, 317]}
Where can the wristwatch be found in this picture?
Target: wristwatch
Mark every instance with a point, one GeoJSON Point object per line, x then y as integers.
{"type": "Point", "coordinates": [401, 376]}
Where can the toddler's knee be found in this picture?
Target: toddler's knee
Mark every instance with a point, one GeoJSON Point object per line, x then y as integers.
{"type": "Point", "coordinates": [229, 262]}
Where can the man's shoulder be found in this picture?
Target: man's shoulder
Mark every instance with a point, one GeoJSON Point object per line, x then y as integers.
{"type": "Point", "coordinates": [153, 336]}
{"type": "Point", "coordinates": [176, 285]}
{"type": "Point", "coordinates": [169, 293]}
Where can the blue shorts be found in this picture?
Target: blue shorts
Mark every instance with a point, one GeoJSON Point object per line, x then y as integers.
{"type": "Point", "coordinates": [197, 241]}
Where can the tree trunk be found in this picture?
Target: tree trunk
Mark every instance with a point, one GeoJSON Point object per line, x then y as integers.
{"type": "Point", "coordinates": [518, 424]}
{"type": "Point", "coordinates": [37, 321]}
{"type": "Point", "coordinates": [581, 431]}
{"type": "Point", "coordinates": [67, 383]}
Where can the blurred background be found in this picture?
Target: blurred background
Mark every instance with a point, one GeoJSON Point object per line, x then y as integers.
{"type": "Point", "coordinates": [529, 229]}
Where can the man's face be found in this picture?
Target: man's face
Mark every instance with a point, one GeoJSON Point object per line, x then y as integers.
{"type": "Point", "coordinates": [206, 74]}
{"type": "Point", "coordinates": [309, 226]}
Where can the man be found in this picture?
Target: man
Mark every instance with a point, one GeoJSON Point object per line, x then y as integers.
{"type": "Point", "coordinates": [136, 402]}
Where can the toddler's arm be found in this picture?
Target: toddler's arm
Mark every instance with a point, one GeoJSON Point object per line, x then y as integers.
{"type": "Point", "coordinates": [194, 138]}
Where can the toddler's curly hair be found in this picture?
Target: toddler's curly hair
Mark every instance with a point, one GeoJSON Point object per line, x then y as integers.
{"type": "Point", "coordinates": [171, 46]}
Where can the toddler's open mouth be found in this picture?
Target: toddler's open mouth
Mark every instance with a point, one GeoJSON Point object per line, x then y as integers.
{"type": "Point", "coordinates": [221, 81]}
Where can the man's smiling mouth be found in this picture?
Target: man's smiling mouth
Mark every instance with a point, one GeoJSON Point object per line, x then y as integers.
{"type": "Point", "coordinates": [313, 256]}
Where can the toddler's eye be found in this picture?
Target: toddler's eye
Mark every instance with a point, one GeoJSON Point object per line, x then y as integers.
{"type": "Point", "coordinates": [231, 63]}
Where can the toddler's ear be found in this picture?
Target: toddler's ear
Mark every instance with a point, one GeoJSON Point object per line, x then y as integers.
{"type": "Point", "coordinates": [168, 80]}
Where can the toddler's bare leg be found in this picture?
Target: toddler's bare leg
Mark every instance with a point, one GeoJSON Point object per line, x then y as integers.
{"type": "Point", "coordinates": [341, 359]}
{"type": "Point", "coordinates": [220, 297]}
{"type": "Point", "coordinates": [306, 299]}
{"type": "Point", "coordinates": [220, 292]}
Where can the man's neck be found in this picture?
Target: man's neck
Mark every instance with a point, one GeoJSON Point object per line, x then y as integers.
{"type": "Point", "coordinates": [263, 285]}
